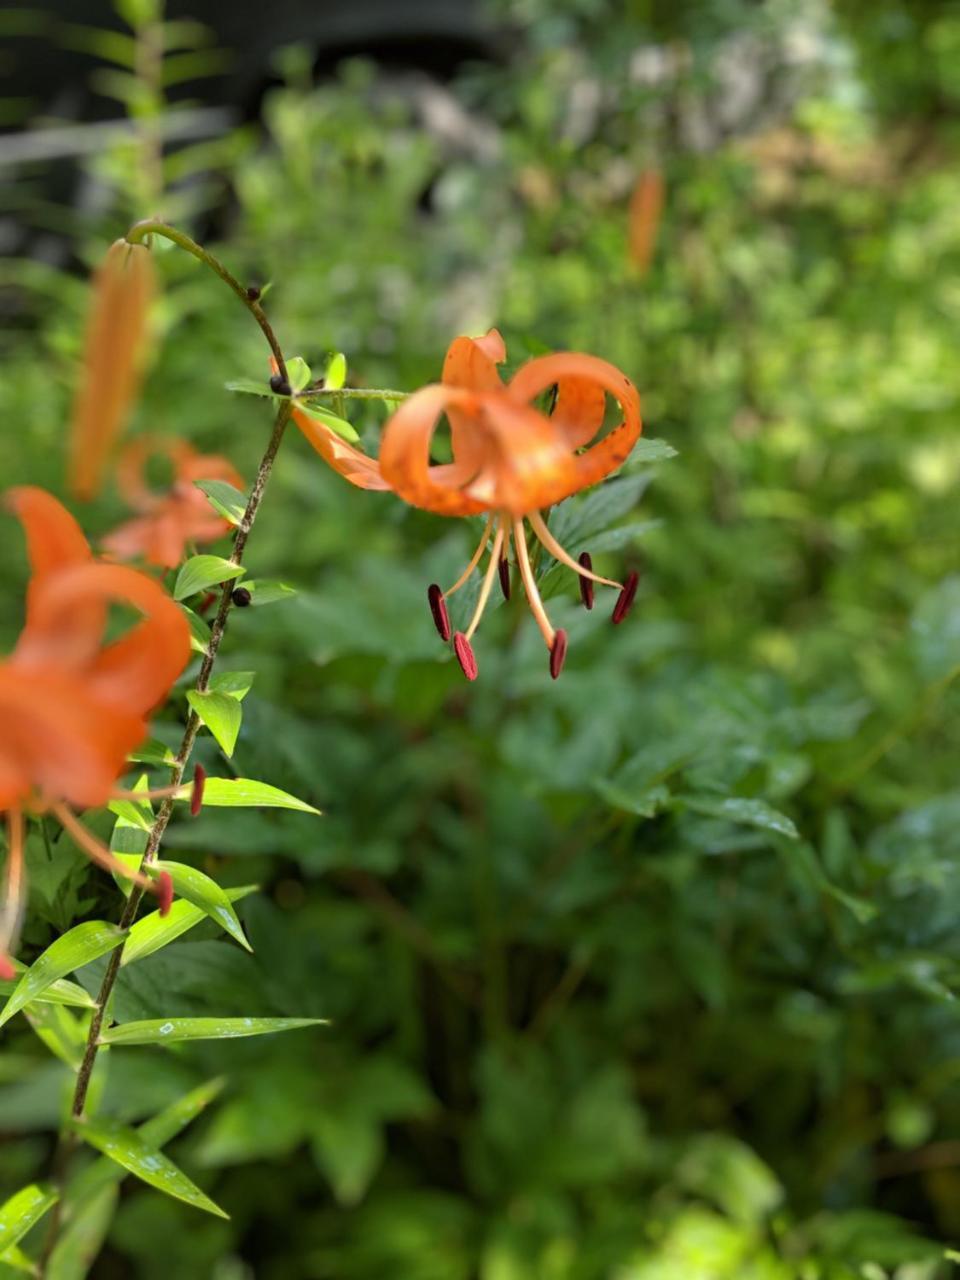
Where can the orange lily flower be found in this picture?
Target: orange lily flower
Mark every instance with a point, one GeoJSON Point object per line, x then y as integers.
{"type": "Point", "coordinates": [168, 521]}
{"type": "Point", "coordinates": [509, 461]}
{"type": "Point", "coordinates": [72, 705]}
{"type": "Point", "coordinates": [123, 287]}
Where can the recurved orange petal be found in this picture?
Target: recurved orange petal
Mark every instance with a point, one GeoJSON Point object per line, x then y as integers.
{"type": "Point", "coordinates": [55, 542]}
{"type": "Point", "coordinates": [59, 740]}
{"type": "Point", "coordinates": [134, 672]}
{"type": "Point", "coordinates": [471, 363]}
{"type": "Point", "coordinates": [353, 464]}
{"type": "Point", "coordinates": [405, 453]}
{"type": "Point", "coordinates": [614, 449]}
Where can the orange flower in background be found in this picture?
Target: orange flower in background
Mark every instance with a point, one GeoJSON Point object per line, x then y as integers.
{"type": "Point", "coordinates": [646, 210]}
{"type": "Point", "coordinates": [72, 705]}
{"type": "Point", "coordinates": [509, 462]}
{"type": "Point", "coordinates": [169, 521]}
{"type": "Point", "coordinates": [116, 334]}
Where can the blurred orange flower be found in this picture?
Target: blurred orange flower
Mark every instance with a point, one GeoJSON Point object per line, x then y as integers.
{"type": "Point", "coordinates": [168, 521]}
{"type": "Point", "coordinates": [73, 705]}
{"type": "Point", "coordinates": [646, 210]}
{"type": "Point", "coordinates": [509, 461]}
{"type": "Point", "coordinates": [123, 287]}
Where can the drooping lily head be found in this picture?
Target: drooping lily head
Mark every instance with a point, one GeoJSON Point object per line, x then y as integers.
{"type": "Point", "coordinates": [510, 460]}
{"type": "Point", "coordinates": [168, 522]}
{"type": "Point", "coordinates": [73, 704]}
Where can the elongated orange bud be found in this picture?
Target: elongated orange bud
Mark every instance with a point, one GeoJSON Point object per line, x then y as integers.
{"type": "Point", "coordinates": [646, 209]}
{"type": "Point", "coordinates": [112, 360]}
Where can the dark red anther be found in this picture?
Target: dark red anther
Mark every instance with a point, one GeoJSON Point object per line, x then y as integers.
{"type": "Point", "coordinates": [503, 568]}
{"type": "Point", "coordinates": [585, 561]}
{"type": "Point", "coordinates": [558, 653]}
{"type": "Point", "coordinates": [438, 607]}
{"type": "Point", "coordinates": [196, 795]}
{"type": "Point", "coordinates": [164, 892]}
{"type": "Point", "coordinates": [206, 602]}
{"type": "Point", "coordinates": [626, 597]}
{"type": "Point", "coordinates": [465, 656]}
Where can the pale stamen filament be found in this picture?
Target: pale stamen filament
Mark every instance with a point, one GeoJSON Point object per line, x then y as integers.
{"type": "Point", "coordinates": [530, 585]}
{"type": "Point", "coordinates": [97, 852]}
{"type": "Point", "coordinates": [539, 526]}
{"type": "Point", "coordinates": [475, 559]}
{"type": "Point", "coordinates": [13, 889]}
{"type": "Point", "coordinates": [158, 793]}
{"type": "Point", "coordinates": [493, 568]}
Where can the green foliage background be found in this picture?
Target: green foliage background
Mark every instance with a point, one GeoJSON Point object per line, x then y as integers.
{"type": "Point", "coordinates": [648, 974]}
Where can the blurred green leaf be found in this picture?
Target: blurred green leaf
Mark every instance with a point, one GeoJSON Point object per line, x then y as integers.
{"type": "Point", "coordinates": [200, 572]}
{"type": "Point", "coordinates": [206, 894]}
{"type": "Point", "coordinates": [265, 591]}
{"type": "Point", "coordinates": [23, 1210]}
{"type": "Point", "coordinates": [226, 500]}
{"type": "Point", "coordinates": [221, 713]}
{"type": "Point", "coordinates": [166, 1031]}
{"type": "Point", "coordinates": [77, 947]}
{"type": "Point", "coordinates": [247, 793]}
{"type": "Point", "coordinates": [144, 1161]}
{"type": "Point", "coordinates": [152, 932]}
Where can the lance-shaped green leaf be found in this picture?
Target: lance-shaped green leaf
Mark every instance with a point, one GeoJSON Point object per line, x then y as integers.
{"type": "Point", "coordinates": [60, 992]}
{"type": "Point", "coordinates": [335, 371]}
{"type": "Point", "coordinates": [649, 450]}
{"type": "Point", "coordinates": [246, 793]}
{"type": "Point", "coordinates": [155, 1132]}
{"type": "Point", "coordinates": [60, 1030]}
{"type": "Point", "coordinates": [199, 631]}
{"type": "Point", "coordinates": [206, 894]}
{"type": "Point", "coordinates": [340, 425]}
{"type": "Point", "coordinates": [82, 1236]}
{"type": "Point", "coordinates": [167, 1030]}
{"type": "Point", "coordinates": [250, 387]}
{"type": "Point", "coordinates": [221, 714]}
{"type": "Point", "coordinates": [154, 931]}
{"type": "Point", "coordinates": [225, 499]}
{"type": "Point", "coordinates": [269, 591]}
{"type": "Point", "coordinates": [23, 1211]}
{"type": "Point", "coordinates": [747, 812]}
{"type": "Point", "coordinates": [77, 947]}
{"type": "Point", "coordinates": [237, 683]}
{"type": "Point", "coordinates": [152, 752]}
{"type": "Point", "coordinates": [145, 1161]}
{"type": "Point", "coordinates": [299, 373]}
{"type": "Point", "coordinates": [200, 572]}
{"type": "Point", "coordinates": [17, 1260]}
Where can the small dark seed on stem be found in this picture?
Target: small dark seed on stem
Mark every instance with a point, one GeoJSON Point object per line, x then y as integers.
{"type": "Point", "coordinates": [465, 656]}
{"type": "Point", "coordinates": [241, 597]}
{"type": "Point", "coordinates": [253, 292]}
{"type": "Point", "coordinates": [626, 597]}
{"type": "Point", "coordinates": [280, 385]}
{"type": "Point", "coordinates": [586, 586]}
{"type": "Point", "coordinates": [438, 607]}
{"type": "Point", "coordinates": [558, 653]}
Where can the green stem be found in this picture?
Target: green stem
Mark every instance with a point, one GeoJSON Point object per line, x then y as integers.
{"type": "Point", "coordinates": [154, 227]}
{"type": "Point", "coordinates": [355, 393]}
